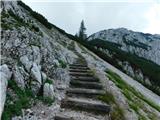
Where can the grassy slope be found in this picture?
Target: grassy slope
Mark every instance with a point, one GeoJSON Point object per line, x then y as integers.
{"type": "Point", "coordinates": [135, 99]}
{"type": "Point", "coordinates": [148, 68]}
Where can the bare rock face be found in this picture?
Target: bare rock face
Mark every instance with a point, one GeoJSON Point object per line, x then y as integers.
{"type": "Point", "coordinates": [44, 77]}
{"type": "Point", "coordinates": [26, 63]}
{"type": "Point", "coordinates": [48, 90]}
{"type": "Point", "coordinates": [5, 75]}
{"type": "Point", "coordinates": [141, 44]}
{"type": "Point", "coordinates": [19, 76]}
{"type": "Point", "coordinates": [36, 73]}
{"type": "Point", "coordinates": [36, 54]}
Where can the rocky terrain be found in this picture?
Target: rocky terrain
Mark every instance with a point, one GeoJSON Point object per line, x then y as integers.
{"type": "Point", "coordinates": [36, 59]}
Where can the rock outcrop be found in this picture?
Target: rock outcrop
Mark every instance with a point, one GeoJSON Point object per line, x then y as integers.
{"type": "Point", "coordinates": [33, 51]}
{"type": "Point", "coordinates": [5, 75]}
{"type": "Point", "coordinates": [48, 91]}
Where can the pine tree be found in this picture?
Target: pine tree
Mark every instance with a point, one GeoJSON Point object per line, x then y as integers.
{"type": "Point", "coordinates": [82, 31]}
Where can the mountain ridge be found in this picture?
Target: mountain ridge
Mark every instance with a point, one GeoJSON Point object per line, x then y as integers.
{"type": "Point", "coordinates": [143, 45]}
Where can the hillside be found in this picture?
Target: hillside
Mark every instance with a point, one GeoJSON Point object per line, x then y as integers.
{"type": "Point", "coordinates": [129, 51]}
{"type": "Point", "coordinates": [37, 83]}
{"type": "Point", "coordinates": [141, 44]}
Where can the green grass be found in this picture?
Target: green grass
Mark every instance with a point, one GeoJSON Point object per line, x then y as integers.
{"type": "Point", "coordinates": [135, 61]}
{"type": "Point", "coordinates": [46, 100]}
{"type": "Point", "coordinates": [116, 113]}
{"type": "Point", "coordinates": [71, 46]}
{"type": "Point", "coordinates": [5, 26]}
{"type": "Point", "coordinates": [49, 81]}
{"type": "Point", "coordinates": [108, 98]}
{"type": "Point", "coordinates": [134, 97]}
{"type": "Point", "coordinates": [62, 64]}
{"type": "Point", "coordinates": [117, 79]}
{"type": "Point", "coordinates": [22, 101]}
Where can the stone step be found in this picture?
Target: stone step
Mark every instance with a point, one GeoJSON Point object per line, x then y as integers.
{"type": "Point", "coordinates": [78, 70]}
{"type": "Point", "coordinates": [80, 63]}
{"type": "Point", "coordinates": [62, 117]}
{"type": "Point", "coordinates": [78, 67]}
{"type": "Point", "coordinates": [80, 74]}
{"type": "Point", "coordinates": [82, 115]}
{"type": "Point", "coordinates": [85, 105]}
{"type": "Point", "coordinates": [87, 79]}
{"type": "Point", "coordinates": [82, 92]}
{"type": "Point", "coordinates": [85, 84]}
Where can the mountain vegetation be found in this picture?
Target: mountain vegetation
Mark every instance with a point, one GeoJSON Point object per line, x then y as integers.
{"type": "Point", "coordinates": [99, 47]}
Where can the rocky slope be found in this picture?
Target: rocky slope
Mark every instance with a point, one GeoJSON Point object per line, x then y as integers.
{"type": "Point", "coordinates": [33, 53]}
{"type": "Point", "coordinates": [34, 70]}
{"type": "Point", "coordinates": [143, 45]}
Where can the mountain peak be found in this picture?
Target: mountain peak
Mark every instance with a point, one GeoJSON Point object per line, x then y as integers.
{"type": "Point", "coordinates": [144, 45]}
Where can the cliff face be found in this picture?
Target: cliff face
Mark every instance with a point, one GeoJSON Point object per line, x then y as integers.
{"type": "Point", "coordinates": [143, 45]}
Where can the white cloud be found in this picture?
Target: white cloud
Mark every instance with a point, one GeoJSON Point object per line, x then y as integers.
{"type": "Point", "coordinates": [131, 1]}
{"type": "Point", "coordinates": [136, 16]}
{"type": "Point", "coordinates": [153, 17]}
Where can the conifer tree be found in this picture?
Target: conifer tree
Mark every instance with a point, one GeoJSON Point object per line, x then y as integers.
{"type": "Point", "coordinates": [82, 31]}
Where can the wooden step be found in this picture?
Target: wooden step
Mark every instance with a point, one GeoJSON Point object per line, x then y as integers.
{"type": "Point", "coordinates": [78, 67]}
{"type": "Point", "coordinates": [81, 92]}
{"type": "Point", "coordinates": [79, 70]}
{"type": "Point", "coordinates": [85, 84]}
{"type": "Point", "coordinates": [87, 79]}
{"type": "Point", "coordinates": [82, 115]}
{"type": "Point", "coordinates": [62, 117]}
{"type": "Point", "coordinates": [85, 105]}
{"type": "Point", "coordinates": [77, 74]}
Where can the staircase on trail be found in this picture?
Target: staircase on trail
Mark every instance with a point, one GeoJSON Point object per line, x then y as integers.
{"type": "Point", "coordinates": [81, 101]}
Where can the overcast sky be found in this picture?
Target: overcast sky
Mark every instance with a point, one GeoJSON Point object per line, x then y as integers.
{"type": "Point", "coordinates": [142, 15]}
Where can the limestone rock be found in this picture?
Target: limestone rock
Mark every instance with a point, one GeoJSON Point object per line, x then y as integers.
{"type": "Point", "coordinates": [36, 73]}
{"type": "Point", "coordinates": [56, 63]}
{"type": "Point", "coordinates": [44, 77]}
{"type": "Point", "coordinates": [36, 54]}
{"type": "Point", "coordinates": [48, 90]}
{"type": "Point", "coordinates": [5, 75]}
{"type": "Point", "coordinates": [25, 61]}
{"type": "Point", "coordinates": [19, 74]}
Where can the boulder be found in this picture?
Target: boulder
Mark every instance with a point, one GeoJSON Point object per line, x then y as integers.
{"type": "Point", "coordinates": [25, 61]}
{"type": "Point", "coordinates": [5, 75]}
{"type": "Point", "coordinates": [44, 77]}
{"type": "Point", "coordinates": [19, 73]}
{"type": "Point", "coordinates": [55, 62]}
{"type": "Point", "coordinates": [36, 54]}
{"type": "Point", "coordinates": [36, 78]}
{"type": "Point", "coordinates": [48, 90]}
{"type": "Point", "coordinates": [36, 73]}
